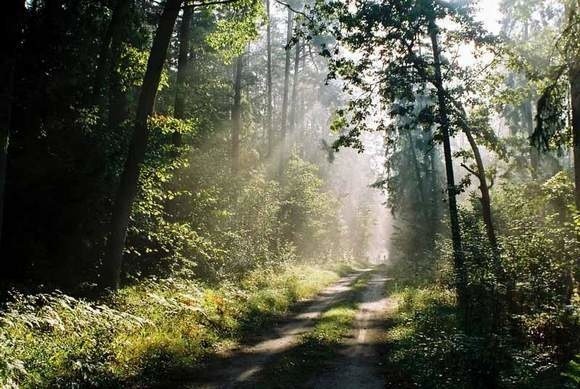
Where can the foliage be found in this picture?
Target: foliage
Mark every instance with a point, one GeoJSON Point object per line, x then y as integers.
{"type": "Point", "coordinates": [429, 349]}
{"type": "Point", "coordinates": [143, 332]}
{"type": "Point", "coordinates": [236, 28]}
{"type": "Point", "coordinates": [523, 311]}
{"type": "Point", "coordinates": [317, 347]}
{"type": "Point", "coordinates": [308, 212]}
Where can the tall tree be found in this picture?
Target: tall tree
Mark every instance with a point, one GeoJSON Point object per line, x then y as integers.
{"type": "Point", "coordinates": [118, 94]}
{"type": "Point", "coordinates": [573, 60]}
{"type": "Point", "coordinates": [269, 118]}
{"type": "Point", "coordinates": [111, 46]}
{"type": "Point", "coordinates": [294, 101]}
{"type": "Point", "coordinates": [574, 76]}
{"type": "Point", "coordinates": [284, 118]}
{"type": "Point", "coordinates": [559, 102]}
{"type": "Point", "coordinates": [182, 65]}
{"type": "Point", "coordinates": [409, 52]}
{"type": "Point", "coordinates": [128, 184]}
{"type": "Point", "coordinates": [12, 15]}
{"type": "Point", "coordinates": [237, 114]}
{"type": "Point", "coordinates": [461, 273]}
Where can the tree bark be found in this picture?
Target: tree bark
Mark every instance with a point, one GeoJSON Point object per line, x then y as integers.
{"type": "Point", "coordinates": [270, 131]}
{"type": "Point", "coordinates": [534, 153]}
{"type": "Point", "coordinates": [284, 120]}
{"type": "Point", "coordinates": [301, 111]}
{"type": "Point", "coordinates": [182, 64]}
{"type": "Point", "coordinates": [417, 171]}
{"type": "Point", "coordinates": [128, 185]}
{"type": "Point", "coordinates": [118, 99]}
{"type": "Point", "coordinates": [13, 13]}
{"type": "Point", "coordinates": [528, 115]}
{"type": "Point", "coordinates": [237, 115]}
{"type": "Point", "coordinates": [111, 46]}
{"type": "Point", "coordinates": [574, 76]}
{"type": "Point", "coordinates": [458, 257]}
{"type": "Point", "coordinates": [429, 159]}
{"type": "Point", "coordinates": [484, 189]}
{"type": "Point", "coordinates": [294, 110]}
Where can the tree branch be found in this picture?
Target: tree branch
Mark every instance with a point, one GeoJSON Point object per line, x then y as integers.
{"type": "Point", "coordinates": [206, 3]}
{"type": "Point", "coordinates": [294, 10]}
{"type": "Point", "coordinates": [470, 170]}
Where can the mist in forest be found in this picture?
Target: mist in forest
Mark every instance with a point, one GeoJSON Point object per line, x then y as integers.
{"type": "Point", "coordinates": [267, 193]}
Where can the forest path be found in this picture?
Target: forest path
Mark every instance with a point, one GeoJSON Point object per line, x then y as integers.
{"type": "Point", "coordinates": [359, 364]}
{"type": "Point", "coordinates": [355, 365]}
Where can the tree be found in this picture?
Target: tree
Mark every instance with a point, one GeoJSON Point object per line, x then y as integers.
{"type": "Point", "coordinates": [128, 184]}
{"type": "Point", "coordinates": [284, 118]}
{"type": "Point", "coordinates": [237, 114]}
{"type": "Point", "coordinates": [269, 118]}
{"type": "Point", "coordinates": [110, 56]}
{"type": "Point", "coordinates": [11, 21]}
{"type": "Point", "coordinates": [525, 27]}
{"type": "Point", "coordinates": [554, 74]}
{"type": "Point", "coordinates": [398, 49]}
{"type": "Point", "coordinates": [182, 65]}
{"type": "Point", "coordinates": [570, 35]}
{"type": "Point", "coordinates": [294, 110]}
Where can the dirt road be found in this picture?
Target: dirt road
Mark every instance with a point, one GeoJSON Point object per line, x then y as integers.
{"type": "Point", "coordinates": [357, 362]}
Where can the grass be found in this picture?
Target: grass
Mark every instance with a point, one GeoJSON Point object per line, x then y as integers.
{"type": "Point", "coordinates": [144, 332]}
{"type": "Point", "coordinates": [318, 347]}
{"type": "Point", "coordinates": [428, 348]}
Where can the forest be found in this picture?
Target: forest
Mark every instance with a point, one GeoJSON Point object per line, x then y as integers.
{"type": "Point", "coordinates": [290, 194]}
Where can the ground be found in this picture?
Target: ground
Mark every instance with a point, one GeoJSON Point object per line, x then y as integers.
{"type": "Point", "coordinates": [333, 341]}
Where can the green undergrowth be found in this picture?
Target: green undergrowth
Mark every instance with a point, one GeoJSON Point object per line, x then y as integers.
{"type": "Point", "coordinates": [317, 347]}
{"type": "Point", "coordinates": [428, 348]}
{"type": "Point", "coordinates": [144, 332]}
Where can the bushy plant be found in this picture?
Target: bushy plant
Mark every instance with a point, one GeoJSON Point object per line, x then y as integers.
{"type": "Point", "coordinates": [309, 214]}
{"type": "Point", "coordinates": [143, 333]}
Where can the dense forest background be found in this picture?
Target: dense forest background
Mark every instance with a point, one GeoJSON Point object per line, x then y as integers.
{"type": "Point", "coordinates": [177, 162]}
{"type": "Point", "coordinates": [215, 151]}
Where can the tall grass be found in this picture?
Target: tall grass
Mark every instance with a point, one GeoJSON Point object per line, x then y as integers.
{"type": "Point", "coordinates": [144, 332]}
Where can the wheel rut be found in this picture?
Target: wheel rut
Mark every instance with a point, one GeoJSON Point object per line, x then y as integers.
{"type": "Point", "coordinates": [235, 368]}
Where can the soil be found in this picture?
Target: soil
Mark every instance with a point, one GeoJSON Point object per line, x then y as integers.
{"type": "Point", "coordinates": [358, 361]}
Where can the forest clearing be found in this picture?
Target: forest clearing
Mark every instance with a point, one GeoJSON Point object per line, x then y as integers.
{"type": "Point", "coordinates": [290, 194]}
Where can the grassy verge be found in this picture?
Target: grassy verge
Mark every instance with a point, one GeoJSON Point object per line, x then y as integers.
{"type": "Point", "coordinates": [319, 346]}
{"type": "Point", "coordinates": [427, 348]}
{"type": "Point", "coordinates": [144, 332]}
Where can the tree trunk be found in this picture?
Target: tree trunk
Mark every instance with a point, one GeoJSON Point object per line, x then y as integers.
{"type": "Point", "coordinates": [118, 99]}
{"type": "Point", "coordinates": [301, 111]}
{"type": "Point", "coordinates": [294, 111]}
{"type": "Point", "coordinates": [534, 153]}
{"type": "Point", "coordinates": [484, 189]}
{"type": "Point", "coordinates": [182, 63]}
{"type": "Point", "coordinates": [130, 177]}
{"type": "Point", "coordinates": [429, 159]}
{"type": "Point", "coordinates": [528, 115]}
{"type": "Point", "coordinates": [574, 76]}
{"type": "Point", "coordinates": [417, 171]}
{"type": "Point", "coordinates": [111, 46]}
{"type": "Point", "coordinates": [284, 120]}
{"type": "Point", "coordinates": [237, 115]}
{"type": "Point", "coordinates": [458, 257]}
{"type": "Point", "coordinates": [270, 132]}
{"type": "Point", "coordinates": [11, 25]}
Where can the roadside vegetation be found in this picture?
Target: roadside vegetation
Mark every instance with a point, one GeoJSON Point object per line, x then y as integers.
{"type": "Point", "coordinates": [175, 175]}
{"type": "Point", "coordinates": [319, 347]}
{"type": "Point", "coordinates": [535, 343]}
{"type": "Point", "coordinates": [145, 332]}
{"type": "Point", "coordinates": [482, 172]}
